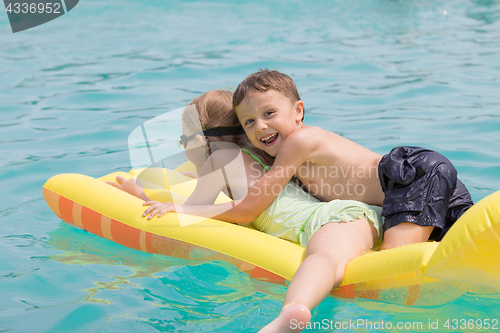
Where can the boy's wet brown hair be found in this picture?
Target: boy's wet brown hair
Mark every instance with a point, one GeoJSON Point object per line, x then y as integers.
{"type": "Point", "coordinates": [263, 81]}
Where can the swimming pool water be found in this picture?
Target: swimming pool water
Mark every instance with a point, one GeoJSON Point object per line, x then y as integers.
{"type": "Point", "coordinates": [381, 73]}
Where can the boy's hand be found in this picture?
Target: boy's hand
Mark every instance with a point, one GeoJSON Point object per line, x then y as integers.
{"type": "Point", "coordinates": [160, 208]}
{"type": "Point", "coordinates": [130, 186]}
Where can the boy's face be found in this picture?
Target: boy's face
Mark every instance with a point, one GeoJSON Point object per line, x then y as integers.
{"type": "Point", "coordinates": [268, 118]}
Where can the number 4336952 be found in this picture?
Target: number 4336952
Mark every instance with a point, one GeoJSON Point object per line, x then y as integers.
{"type": "Point", "coordinates": [32, 8]}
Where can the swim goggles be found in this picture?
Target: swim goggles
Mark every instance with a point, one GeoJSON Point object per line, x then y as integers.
{"type": "Point", "coordinates": [217, 131]}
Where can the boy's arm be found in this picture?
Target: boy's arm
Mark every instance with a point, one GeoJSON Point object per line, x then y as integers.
{"type": "Point", "coordinates": [295, 151]}
{"type": "Point", "coordinates": [208, 211]}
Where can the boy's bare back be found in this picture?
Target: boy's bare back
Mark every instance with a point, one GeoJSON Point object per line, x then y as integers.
{"type": "Point", "coordinates": [334, 167]}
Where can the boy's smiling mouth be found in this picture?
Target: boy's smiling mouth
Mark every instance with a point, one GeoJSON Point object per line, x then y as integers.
{"type": "Point", "coordinates": [269, 139]}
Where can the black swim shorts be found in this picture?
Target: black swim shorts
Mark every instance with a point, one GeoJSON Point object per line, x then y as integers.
{"type": "Point", "coordinates": [421, 187]}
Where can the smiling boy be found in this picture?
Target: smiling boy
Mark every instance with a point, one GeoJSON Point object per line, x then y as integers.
{"type": "Point", "coordinates": [417, 188]}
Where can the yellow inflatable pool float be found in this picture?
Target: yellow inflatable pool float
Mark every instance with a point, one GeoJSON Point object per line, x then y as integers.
{"type": "Point", "coordinates": [424, 274]}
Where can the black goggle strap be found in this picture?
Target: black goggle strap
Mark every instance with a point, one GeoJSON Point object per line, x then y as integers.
{"type": "Point", "coordinates": [221, 131]}
{"type": "Point", "coordinates": [217, 131]}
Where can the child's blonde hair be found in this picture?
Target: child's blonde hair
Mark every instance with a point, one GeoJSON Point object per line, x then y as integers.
{"type": "Point", "coordinates": [215, 110]}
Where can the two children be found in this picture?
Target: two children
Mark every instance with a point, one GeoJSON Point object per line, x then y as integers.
{"type": "Point", "coordinates": [418, 189]}
{"type": "Point", "coordinates": [294, 214]}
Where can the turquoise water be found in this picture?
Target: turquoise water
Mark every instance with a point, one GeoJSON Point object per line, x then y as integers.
{"type": "Point", "coordinates": [381, 73]}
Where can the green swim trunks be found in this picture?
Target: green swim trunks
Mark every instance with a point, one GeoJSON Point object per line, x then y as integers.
{"type": "Point", "coordinates": [296, 215]}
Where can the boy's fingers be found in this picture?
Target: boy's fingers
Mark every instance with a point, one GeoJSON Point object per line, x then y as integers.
{"type": "Point", "coordinates": [112, 184]}
{"type": "Point", "coordinates": [153, 213]}
{"type": "Point", "coordinates": [150, 208]}
{"type": "Point", "coordinates": [147, 211]}
{"type": "Point", "coordinates": [163, 211]}
{"type": "Point", "coordinates": [167, 209]}
{"type": "Point", "coordinates": [153, 209]}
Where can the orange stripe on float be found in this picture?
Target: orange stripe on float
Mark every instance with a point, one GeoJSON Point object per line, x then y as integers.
{"type": "Point", "coordinates": [66, 209]}
{"type": "Point", "coordinates": [261, 273]}
{"type": "Point", "coordinates": [106, 227]}
{"type": "Point", "coordinates": [346, 291]}
{"type": "Point", "coordinates": [413, 294]}
{"type": "Point", "coordinates": [126, 235]}
{"type": "Point", "coordinates": [52, 200]}
{"type": "Point", "coordinates": [91, 221]}
{"type": "Point", "coordinates": [77, 215]}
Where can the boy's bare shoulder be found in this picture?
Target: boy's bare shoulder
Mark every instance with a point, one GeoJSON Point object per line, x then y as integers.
{"type": "Point", "coordinates": [310, 136]}
{"type": "Point", "coordinates": [317, 130]}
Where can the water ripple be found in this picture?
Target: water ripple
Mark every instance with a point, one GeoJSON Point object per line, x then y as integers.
{"type": "Point", "coordinates": [381, 73]}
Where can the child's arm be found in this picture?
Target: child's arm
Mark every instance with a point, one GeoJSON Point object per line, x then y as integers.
{"type": "Point", "coordinates": [209, 211]}
{"type": "Point", "coordinates": [212, 181]}
{"type": "Point", "coordinates": [293, 153]}
{"type": "Point", "coordinates": [208, 188]}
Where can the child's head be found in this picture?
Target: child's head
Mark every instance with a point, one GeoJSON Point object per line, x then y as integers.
{"type": "Point", "coordinates": [214, 110]}
{"type": "Point", "coordinates": [269, 108]}
{"type": "Point", "coordinates": [263, 81]}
